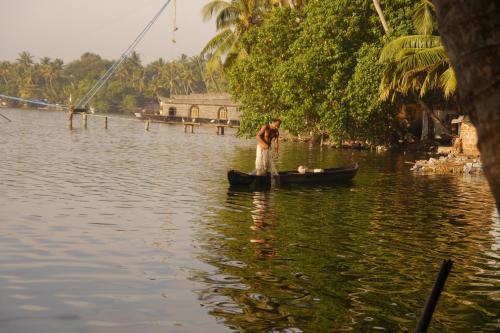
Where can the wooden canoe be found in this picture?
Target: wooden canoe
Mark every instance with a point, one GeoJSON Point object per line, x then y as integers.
{"type": "Point", "coordinates": [287, 178]}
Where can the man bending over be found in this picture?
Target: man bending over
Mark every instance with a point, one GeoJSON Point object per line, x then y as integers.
{"type": "Point", "coordinates": [265, 137]}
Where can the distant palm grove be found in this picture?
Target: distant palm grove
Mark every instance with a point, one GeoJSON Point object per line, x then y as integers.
{"type": "Point", "coordinates": [132, 86]}
{"type": "Point", "coordinates": [337, 67]}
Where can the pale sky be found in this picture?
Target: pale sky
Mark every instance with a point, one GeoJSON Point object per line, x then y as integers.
{"type": "Point", "coordinates": [68, 28]}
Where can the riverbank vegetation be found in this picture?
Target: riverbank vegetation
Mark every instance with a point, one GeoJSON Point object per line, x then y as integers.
{"type": "Point", "coordinates": [328, 67]}
{"type": "Point", "coordinates": [331, 68]}
{"type": "Point", "coordinates": [133, 85]}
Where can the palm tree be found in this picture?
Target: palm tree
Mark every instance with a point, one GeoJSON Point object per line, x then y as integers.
{"type": "Point", "coordinates": [25, 59]}
{"type": "Point", "coordinates": [46, 71]}
{"type": "Point", "coordinates": [198, 67]}
{"type": "Point", "coordinates": [232, 18]}
{"type": "Point", "coordinates": [130, 71]}
{"type": "Point", "coordinates": [5, 69]}
{"type": "Point", "coordinates": [57, 73]}
{"type": "Point", "coordinates": [213, 69]}
{"type": "Point", "coordinates": [417, 64]}
{"type": "Point", "coordinates": [136, 71]}
{"type": "Point", "coordinates": [157, 78]}
{"type": "Point", "coordinates": [25, 66]}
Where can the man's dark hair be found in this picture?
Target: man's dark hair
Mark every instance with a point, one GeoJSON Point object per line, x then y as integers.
{"type": "Point", "coordinates": [276, 120]}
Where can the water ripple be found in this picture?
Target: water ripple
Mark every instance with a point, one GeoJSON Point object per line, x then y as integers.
{"type": "Point", "coordinates": [126, 231]}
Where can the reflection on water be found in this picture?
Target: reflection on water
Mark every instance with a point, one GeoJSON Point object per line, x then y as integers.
{"type": "Point", "coordinates": [264, 221]}
{"type": "Point", "coordinates": [359, 258]}
{"type": "Point", "coordinates": [128, 231]}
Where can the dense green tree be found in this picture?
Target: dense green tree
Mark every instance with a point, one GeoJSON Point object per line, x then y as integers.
{"type": "Point", "coordinates": [287, 3]}
{"type": "Point", "coordinates": [300, 65]}
{"type": "Point", "coordinates": [253, 80]}
{"type": "Point", "coordinates": [369, 117]}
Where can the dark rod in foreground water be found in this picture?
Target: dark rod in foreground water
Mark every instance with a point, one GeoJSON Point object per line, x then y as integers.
{"type": "Point", "coordinates": [430, 306]}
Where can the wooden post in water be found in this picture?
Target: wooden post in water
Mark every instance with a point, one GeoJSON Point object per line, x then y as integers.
{"type": "Point", "coordinates": [106, 122]}
{"type": "Point", "coordinates": [84, 119]}
{"type": "Point", "coordinates": [430, 306]}
{"type": "Point", "coordinates": [146, 125]}
{"type": "Point", "coordinates": [70, 117]}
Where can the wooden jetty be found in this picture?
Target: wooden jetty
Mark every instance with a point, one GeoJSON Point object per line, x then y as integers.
{"type": "Point", "coordinates": [188, 126]}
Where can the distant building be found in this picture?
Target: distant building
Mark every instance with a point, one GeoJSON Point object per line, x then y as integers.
{"type": "Point", "coordinates": [202, 108]}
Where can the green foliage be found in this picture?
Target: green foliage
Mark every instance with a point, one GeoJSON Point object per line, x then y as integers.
{"type": "Point", "coordinates": [130, 102]}
{"type": "Point", "coordinates": [417, 63]}
{"type": "Point", "coordinates": [132, 86]}
{"type": "Point", "coordinates": [314, 80]}
{"type": "Point", "coordinates": [233, 19]}
{"type": "Point", "coordinates": [370, 117]}
{"type": "Point", "coordinates": [316, 68]}
{"type": "Point", "coordinates": [253, 80]}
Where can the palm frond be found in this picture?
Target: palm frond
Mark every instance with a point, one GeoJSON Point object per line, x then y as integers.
{"type": "Point", "coordinates": [216, 42]}
{"type": "Point", "coordinates": [214, 6]}
{"type": "Point", "coordinates": [431, 80]}
{"type": "Point", "coordinates": [392, 48]}
{"type": "Point", "coordinates": [424, 19]}
{"type": "Point", "coordinates": [423, 59]}
{"type": "Point", "coordinates": [213, 65]}
{"type": "Point", "coordinates": [448, 82]}
{"type": "Point", "coordinates": [387, 84]}
{"type": "Point", "coordinates": [227, 45]}
{"type": "Point", "coordinates": [227, 17]}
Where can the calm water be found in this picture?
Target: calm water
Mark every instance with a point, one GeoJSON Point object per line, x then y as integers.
{"type": "Point", "coordinates": [131, 231]}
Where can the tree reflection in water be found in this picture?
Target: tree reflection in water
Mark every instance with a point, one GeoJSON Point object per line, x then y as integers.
{"type": "Point", "coordinates": [359, 258]}
{"type": "Point", "coordinates": [251, 288]}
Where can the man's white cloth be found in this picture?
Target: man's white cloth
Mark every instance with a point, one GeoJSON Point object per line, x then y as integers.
{"type": "Point", "coordinates": [263, 160]}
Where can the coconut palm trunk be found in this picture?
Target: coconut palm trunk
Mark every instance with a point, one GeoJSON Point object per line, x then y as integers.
{"type": "Point", "coordinates": [470, 31]}
{"type": "Point", "coordinates": [380, 13]}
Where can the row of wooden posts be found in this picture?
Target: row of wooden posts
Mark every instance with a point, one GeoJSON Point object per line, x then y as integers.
{"type": "Point", "coordinates": [219, 128]}
{"type": "Point", "coordinates": [219, 131]}
{"type": "Point", "coordinates": [84, 120]}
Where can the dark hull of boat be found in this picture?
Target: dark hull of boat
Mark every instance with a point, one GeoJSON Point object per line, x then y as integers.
{"type": "Point", "coordinates": [287, 178]}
